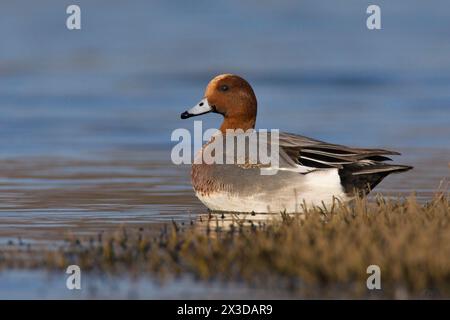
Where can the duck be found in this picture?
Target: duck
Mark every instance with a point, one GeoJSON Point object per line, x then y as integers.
{"type": "Point", "coordinates": [310, 173]}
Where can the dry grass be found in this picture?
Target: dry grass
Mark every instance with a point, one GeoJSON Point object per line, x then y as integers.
{"type": "Point", "coordinates": [319, 253]}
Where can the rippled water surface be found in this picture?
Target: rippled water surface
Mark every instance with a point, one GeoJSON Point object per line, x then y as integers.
{"type": "Point", "coordinates": [86, 116]}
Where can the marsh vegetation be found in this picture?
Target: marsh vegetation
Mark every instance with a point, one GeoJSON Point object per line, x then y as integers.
{"type": "Point", "coordinates": [317, 253]}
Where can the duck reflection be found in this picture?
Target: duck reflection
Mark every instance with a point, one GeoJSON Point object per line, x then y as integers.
{"type": "Point", "coordinates": [213, 222]}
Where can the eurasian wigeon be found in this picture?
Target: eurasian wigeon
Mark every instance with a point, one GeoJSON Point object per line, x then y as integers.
{"type": "Point", "coordinates": [311, 172]}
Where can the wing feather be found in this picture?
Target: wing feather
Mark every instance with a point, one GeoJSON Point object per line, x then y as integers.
{"type": "Point", "coordinates": [311, 152]}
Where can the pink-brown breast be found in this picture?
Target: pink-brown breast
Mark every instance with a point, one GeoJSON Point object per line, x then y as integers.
{"type": "Point", "coordinates": [204, 181]}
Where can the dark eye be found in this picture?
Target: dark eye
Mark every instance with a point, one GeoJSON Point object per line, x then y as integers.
{"type": "Point", "coordinates": [223, 87]}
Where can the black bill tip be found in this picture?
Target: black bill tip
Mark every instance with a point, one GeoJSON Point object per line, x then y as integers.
{"type": "Point", "coordinates": [185, 115]}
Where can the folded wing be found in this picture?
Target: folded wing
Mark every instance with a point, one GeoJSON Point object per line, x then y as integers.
{"type": "Point", "coordinates": [360, 169]}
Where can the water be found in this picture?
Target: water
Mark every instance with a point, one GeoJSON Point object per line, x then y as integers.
{"type": "Point", "coordinates": [42, 285]}
{"type": "Point", "coordinates": [86, 116]}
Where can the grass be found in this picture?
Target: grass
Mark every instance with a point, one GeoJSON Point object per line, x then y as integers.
{"type": "Point", "coordinates": [316, 254]}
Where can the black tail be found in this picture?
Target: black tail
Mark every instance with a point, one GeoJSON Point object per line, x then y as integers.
{"type": "Point", "coordinates": [362, 177]}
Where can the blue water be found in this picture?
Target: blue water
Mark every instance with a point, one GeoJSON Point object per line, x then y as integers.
{"type": "Point", "coordinates": [86, 116]}
{"type": "Point", "coordinates": [42, 285]}
{"type": "Point", "coordinates": [122, 81]}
